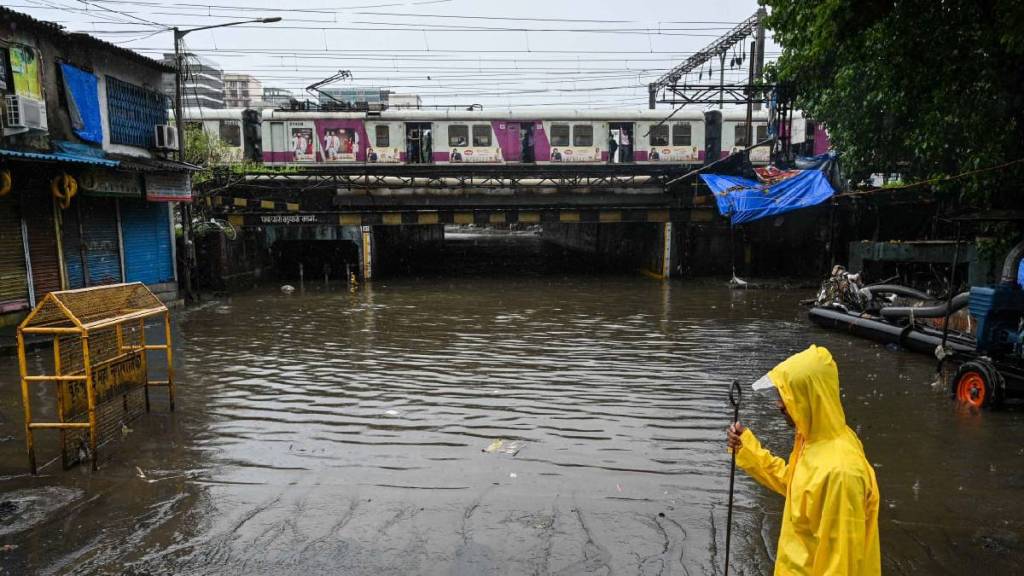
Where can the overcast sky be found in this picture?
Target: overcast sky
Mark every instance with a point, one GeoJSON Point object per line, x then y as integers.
{"type": "Point", "coordinates": [537, 53]}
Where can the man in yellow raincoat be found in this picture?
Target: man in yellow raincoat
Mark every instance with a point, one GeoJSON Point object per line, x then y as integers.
{"type": "Point", "coordinates": [830, 521]}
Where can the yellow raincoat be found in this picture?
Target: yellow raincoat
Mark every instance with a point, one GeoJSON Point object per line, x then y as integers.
{"type": "Point", "coordinates": [830, 521]}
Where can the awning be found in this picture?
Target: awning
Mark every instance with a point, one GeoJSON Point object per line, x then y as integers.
{"type": "Point", "coordinates": [57, 157]}
{"type": "Point", "coordinates": [138, 164]}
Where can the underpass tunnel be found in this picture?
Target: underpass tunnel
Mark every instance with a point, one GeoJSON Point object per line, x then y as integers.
{"type": "Point", "coordinates": [314, 259]}
{"type": "Point", "coordinates": [519, 249]}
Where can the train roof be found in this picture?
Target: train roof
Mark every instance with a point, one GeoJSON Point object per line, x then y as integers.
{"type": "Point", "coordinates": [406, 115]}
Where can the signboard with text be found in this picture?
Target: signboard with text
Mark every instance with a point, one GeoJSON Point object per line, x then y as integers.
{"type": "Point", "coordinates": [168, 187]}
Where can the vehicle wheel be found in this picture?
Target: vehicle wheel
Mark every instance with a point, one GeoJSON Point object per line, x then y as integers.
{"type": "Point", "coordinates": [978, 384]}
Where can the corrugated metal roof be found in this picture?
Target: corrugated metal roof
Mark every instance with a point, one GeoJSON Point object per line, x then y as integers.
{"type": "Point", "coordinates": [153, 164]}
{"type": "Point", "coordinates": [58, 157]}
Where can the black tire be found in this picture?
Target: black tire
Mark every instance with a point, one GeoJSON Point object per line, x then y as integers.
{"type": "Point", "coordinates": [978, 383]}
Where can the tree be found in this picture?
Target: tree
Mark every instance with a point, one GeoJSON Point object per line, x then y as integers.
{"type": "Point", "coordinates": [929, 89]}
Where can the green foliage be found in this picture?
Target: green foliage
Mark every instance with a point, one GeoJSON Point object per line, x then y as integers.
{"type": "Point", "coordinates": [927, 89]}
{"type": "Point", "coordinates": [206, 151]}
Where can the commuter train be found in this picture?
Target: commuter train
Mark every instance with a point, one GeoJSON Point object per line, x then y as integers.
{"type": "Point", "coordinates": [402, 136]}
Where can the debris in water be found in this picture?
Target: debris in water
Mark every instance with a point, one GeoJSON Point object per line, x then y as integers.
{"type": "Point", "coordinates": [125, 431]}
{"type": "Point", "coordinates": [140, 473]}
{"type": "Point", "coordinates": [392, 413]}
{"type": "Point", "coordinates": [512, 475]}
{"type": "Point", "coordinates": [287, 289]}
{"type": "Point", "coordinates": [501, 446]}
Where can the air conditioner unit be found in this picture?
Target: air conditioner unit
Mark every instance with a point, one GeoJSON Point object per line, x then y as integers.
{"type": "Point", "coordinates": [25, 113]}
{"type": "Point", "coordinates": [166, 137]}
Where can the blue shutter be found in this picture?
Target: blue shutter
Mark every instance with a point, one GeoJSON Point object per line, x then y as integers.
{"type": "Point", "coordinates": [71, 243]}
{"type": "Point", "coordinates": [99, 232]}
{"type": "Point", "coordinates": [146, 231]}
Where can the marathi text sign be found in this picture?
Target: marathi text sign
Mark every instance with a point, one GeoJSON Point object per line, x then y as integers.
{"type": "Point", "coordinates": [109, 380]}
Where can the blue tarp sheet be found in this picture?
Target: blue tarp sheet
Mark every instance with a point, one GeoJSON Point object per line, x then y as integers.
{"type": "Point", "coordinates": [84, 103]}
{"type": "Point", "coordinates": [744, 200]}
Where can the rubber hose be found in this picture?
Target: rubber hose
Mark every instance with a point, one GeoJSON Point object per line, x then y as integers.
{"type": "Point", "coordinates": [937, 311]}
{"type": "Point", "coordinates": [896, 289]}
{"type": "Point", "coordinates": [1010, 264]}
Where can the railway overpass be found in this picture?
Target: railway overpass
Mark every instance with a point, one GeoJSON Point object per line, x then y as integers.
{"type": "Point", "coordinates": [381, 207]}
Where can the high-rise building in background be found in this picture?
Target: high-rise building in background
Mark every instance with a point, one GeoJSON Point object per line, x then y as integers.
{"type": "Point", "coordinates": [275, 97]}
{"type": "Point", "coordinates": [203, 82]}
{"type": "Point", "coordinates": [241, 90]}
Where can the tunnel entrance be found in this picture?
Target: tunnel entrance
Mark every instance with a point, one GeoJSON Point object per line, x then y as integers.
{"type": "Point", "coordinates": [314, 259]}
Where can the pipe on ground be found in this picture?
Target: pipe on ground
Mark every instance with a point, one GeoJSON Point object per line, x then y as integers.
{"type": "Point", "coordinates": [895, 289]}
{"type": "Point", "coordinates": [922, 340]}
{"type": "Point", "coordinates": [937, 311]}
{"type": "Point", "coordinates": [1010, 264]}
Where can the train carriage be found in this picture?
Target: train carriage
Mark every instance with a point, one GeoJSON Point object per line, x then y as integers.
{"type": "Point", "coordinates": [284, 137]}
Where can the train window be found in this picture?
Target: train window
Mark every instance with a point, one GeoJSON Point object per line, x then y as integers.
{"type": "Point", "coordinates": [582, 135]}
{"type": "Point", "coordinates": [762, 133]}
{"type": "Point", "coordinates": [458, 136]}
{"type": "Point", "coordinates": [659, 135]}
{"type": "Point", "coordinates": [681, 134]}
{"type": "Point", "coordinates": [481, 135]}
{"type": "Point", "coordinates": [559, 134]}
{"type": "Point", "coordinates": [740, 135]}
{"type": "Point", "coordinates": [231, 132]}
{"type": "Point", "coordinates": [383, 136]}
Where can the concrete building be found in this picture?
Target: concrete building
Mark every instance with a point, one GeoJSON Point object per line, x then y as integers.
{"type": "Point", "coordinates": [85, 190]}
{"type": "Point", "coordinates": [406, 101]}
{"type": "Point", "coordinates": [275, 97]}
{"type": "Point", "coordinates": [242, 90]}
{"type": "Point", "coordinates": [203, 82]}
{"type": "Point", "coordinates": [355, 98]}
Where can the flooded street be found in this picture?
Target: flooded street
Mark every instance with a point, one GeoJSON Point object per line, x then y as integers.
{"type": "Point", "coordinates": [328, 432]}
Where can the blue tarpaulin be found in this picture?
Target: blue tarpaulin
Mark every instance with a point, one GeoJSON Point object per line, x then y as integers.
{"type": "Point", "coordinates": [83, 102]}
{"type": "Point", "coordinates": [744, 200]}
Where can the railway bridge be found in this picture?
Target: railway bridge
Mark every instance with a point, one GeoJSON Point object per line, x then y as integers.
{"type": "Point", "coordinates": [626, 210]}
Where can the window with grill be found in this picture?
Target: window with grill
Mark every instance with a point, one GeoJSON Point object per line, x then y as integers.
{"type": "Point", "coordinates": [559, 134]}
{"type": "Point", "coordinates": [582, 135]}
{"type": "Point", "coordinates": [231, 132]}
{"type": "Point", "coordinates": [762, 133]}
{"type": "Point", "coordinates": [659, 135]}
{"type": "Point", "coordinates": [133, 111]}
{"type": "Point", "coordinates": [458, 136]}
{"type": "Point", "coordinates": [681, 134]}
{"type": "Point", "coordinates": [481, 135]}
{"type": "Point", "coordinates": [383, 136]}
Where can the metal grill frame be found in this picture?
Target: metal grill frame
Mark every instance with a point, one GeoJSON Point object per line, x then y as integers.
{"type": "Point", "coordinates": [68, 317]}
{"type": "Point", "coordinates": [133, 111]}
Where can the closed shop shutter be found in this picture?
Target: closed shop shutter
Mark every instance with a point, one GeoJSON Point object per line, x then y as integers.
{"type": "Point", "coordinates": [100, 235]}
{"type": "Point", "coordinates": [71, 241]}
{"type": "Point", "coordinates": [146, 232]}
{"type": "Point", "coordinates": [13, 279]}
{"type": "Point", "coordinates": [37, 209]}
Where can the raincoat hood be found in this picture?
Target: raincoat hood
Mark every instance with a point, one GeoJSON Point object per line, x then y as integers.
{"type": "Point", "coordinates": [808, 383]}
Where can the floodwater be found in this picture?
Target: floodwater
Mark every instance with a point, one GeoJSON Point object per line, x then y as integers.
{"type": "Point", "coordinates": [325, 432]}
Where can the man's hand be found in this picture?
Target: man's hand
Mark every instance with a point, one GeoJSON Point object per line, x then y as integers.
{"type": "Point", "coordinates": [734, 432]}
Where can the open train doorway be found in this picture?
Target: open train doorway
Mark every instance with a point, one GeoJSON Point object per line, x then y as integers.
{"type": "Point", "coordinates": [419, 146]}
{"type": "Point", "coordinates": [527, 143]}
{"type": "Point", "coordinates": [620, 142]}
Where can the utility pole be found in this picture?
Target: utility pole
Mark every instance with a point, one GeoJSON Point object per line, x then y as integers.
{"type": "Point", "coordinates": [179, 124]}
{"type": "Point", "coordinates": [184, 207]}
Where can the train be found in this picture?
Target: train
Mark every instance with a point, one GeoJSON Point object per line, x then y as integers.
{"type": "Point", "coordinates": [276, 137]}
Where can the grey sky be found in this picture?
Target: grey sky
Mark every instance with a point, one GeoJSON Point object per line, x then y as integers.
{"type": "Point", "coordinates": [425, 47]}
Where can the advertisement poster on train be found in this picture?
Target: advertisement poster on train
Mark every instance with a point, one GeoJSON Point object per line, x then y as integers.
{"type": "Point", "coordinates": [574, 154]}
{"type": "Point", "coordinates": [458, 155]}
{"type": "Point", "coordinates": [383, 155]}
{"type": "Point", "coordinates": [302, 143]}
{"type": "Point", "coordinates": [672, 154]}
{"type": "Point", "coordinates": [341, 141]}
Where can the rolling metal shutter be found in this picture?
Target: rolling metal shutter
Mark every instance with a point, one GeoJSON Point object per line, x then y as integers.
{"type": "Point", "coordinates": [71, 242]}
{"type": "Point", "coordinates": [146, 231]}
{"type": "Point", "coordinates": [42, 243]}
{"type": "Point", "coordinates": [13, 279]}
{"type": "Point", "coordinates": [102, 241]}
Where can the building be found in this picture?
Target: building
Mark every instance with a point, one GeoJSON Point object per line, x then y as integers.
{"type": "Point", "coordinates": [276, 97]}
{"type": "Point", "coordinates": [354, 98]}
{"type": "Point", "coordinates": [203, 82]}
{"type": "Point", "coordinates": [406, 101]}
{"type": "Point", "coordinates": [86, 194]}
{"type": "Point", "coordinates": [242, 90]}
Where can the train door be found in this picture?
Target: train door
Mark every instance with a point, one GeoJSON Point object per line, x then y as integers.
{"type": "Point", "coordinates": [526, 137]}
{"type": "Point", "coordinates": [620, 142]}
{"type": "Point", "coordinates": [712, 136]}
{"type": "Point", "coordinates": [512, 142]}
{"type": "Point", "coordinates": [419, 147]}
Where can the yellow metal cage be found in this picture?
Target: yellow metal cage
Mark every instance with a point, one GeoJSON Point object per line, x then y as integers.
{"type": "Point", "coordinates": [100, 364]}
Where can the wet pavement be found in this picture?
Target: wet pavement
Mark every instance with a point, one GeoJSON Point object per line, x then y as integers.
{"type": "Point", "coordinates": [325, 432]}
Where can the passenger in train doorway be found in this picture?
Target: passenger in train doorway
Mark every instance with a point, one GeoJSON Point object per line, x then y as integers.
{"type": "Point", "coordinates": [612, 149]}
{"type": "Point", "coordinates": [625, 146]}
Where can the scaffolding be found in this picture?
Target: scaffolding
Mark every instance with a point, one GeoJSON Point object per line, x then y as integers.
{"type": "Point", "coordinates": [100, 365]}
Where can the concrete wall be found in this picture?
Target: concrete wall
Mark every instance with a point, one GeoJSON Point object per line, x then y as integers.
{"type": "Point", "coordinates": [626, 246]}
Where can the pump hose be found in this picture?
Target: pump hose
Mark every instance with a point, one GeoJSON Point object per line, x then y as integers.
{"type": "Point", "coordinates": [6, 183]}
{"type": "Point", "coordinates": [937, 311]}
{"type": "Point", "coordinates": [64, 187]}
